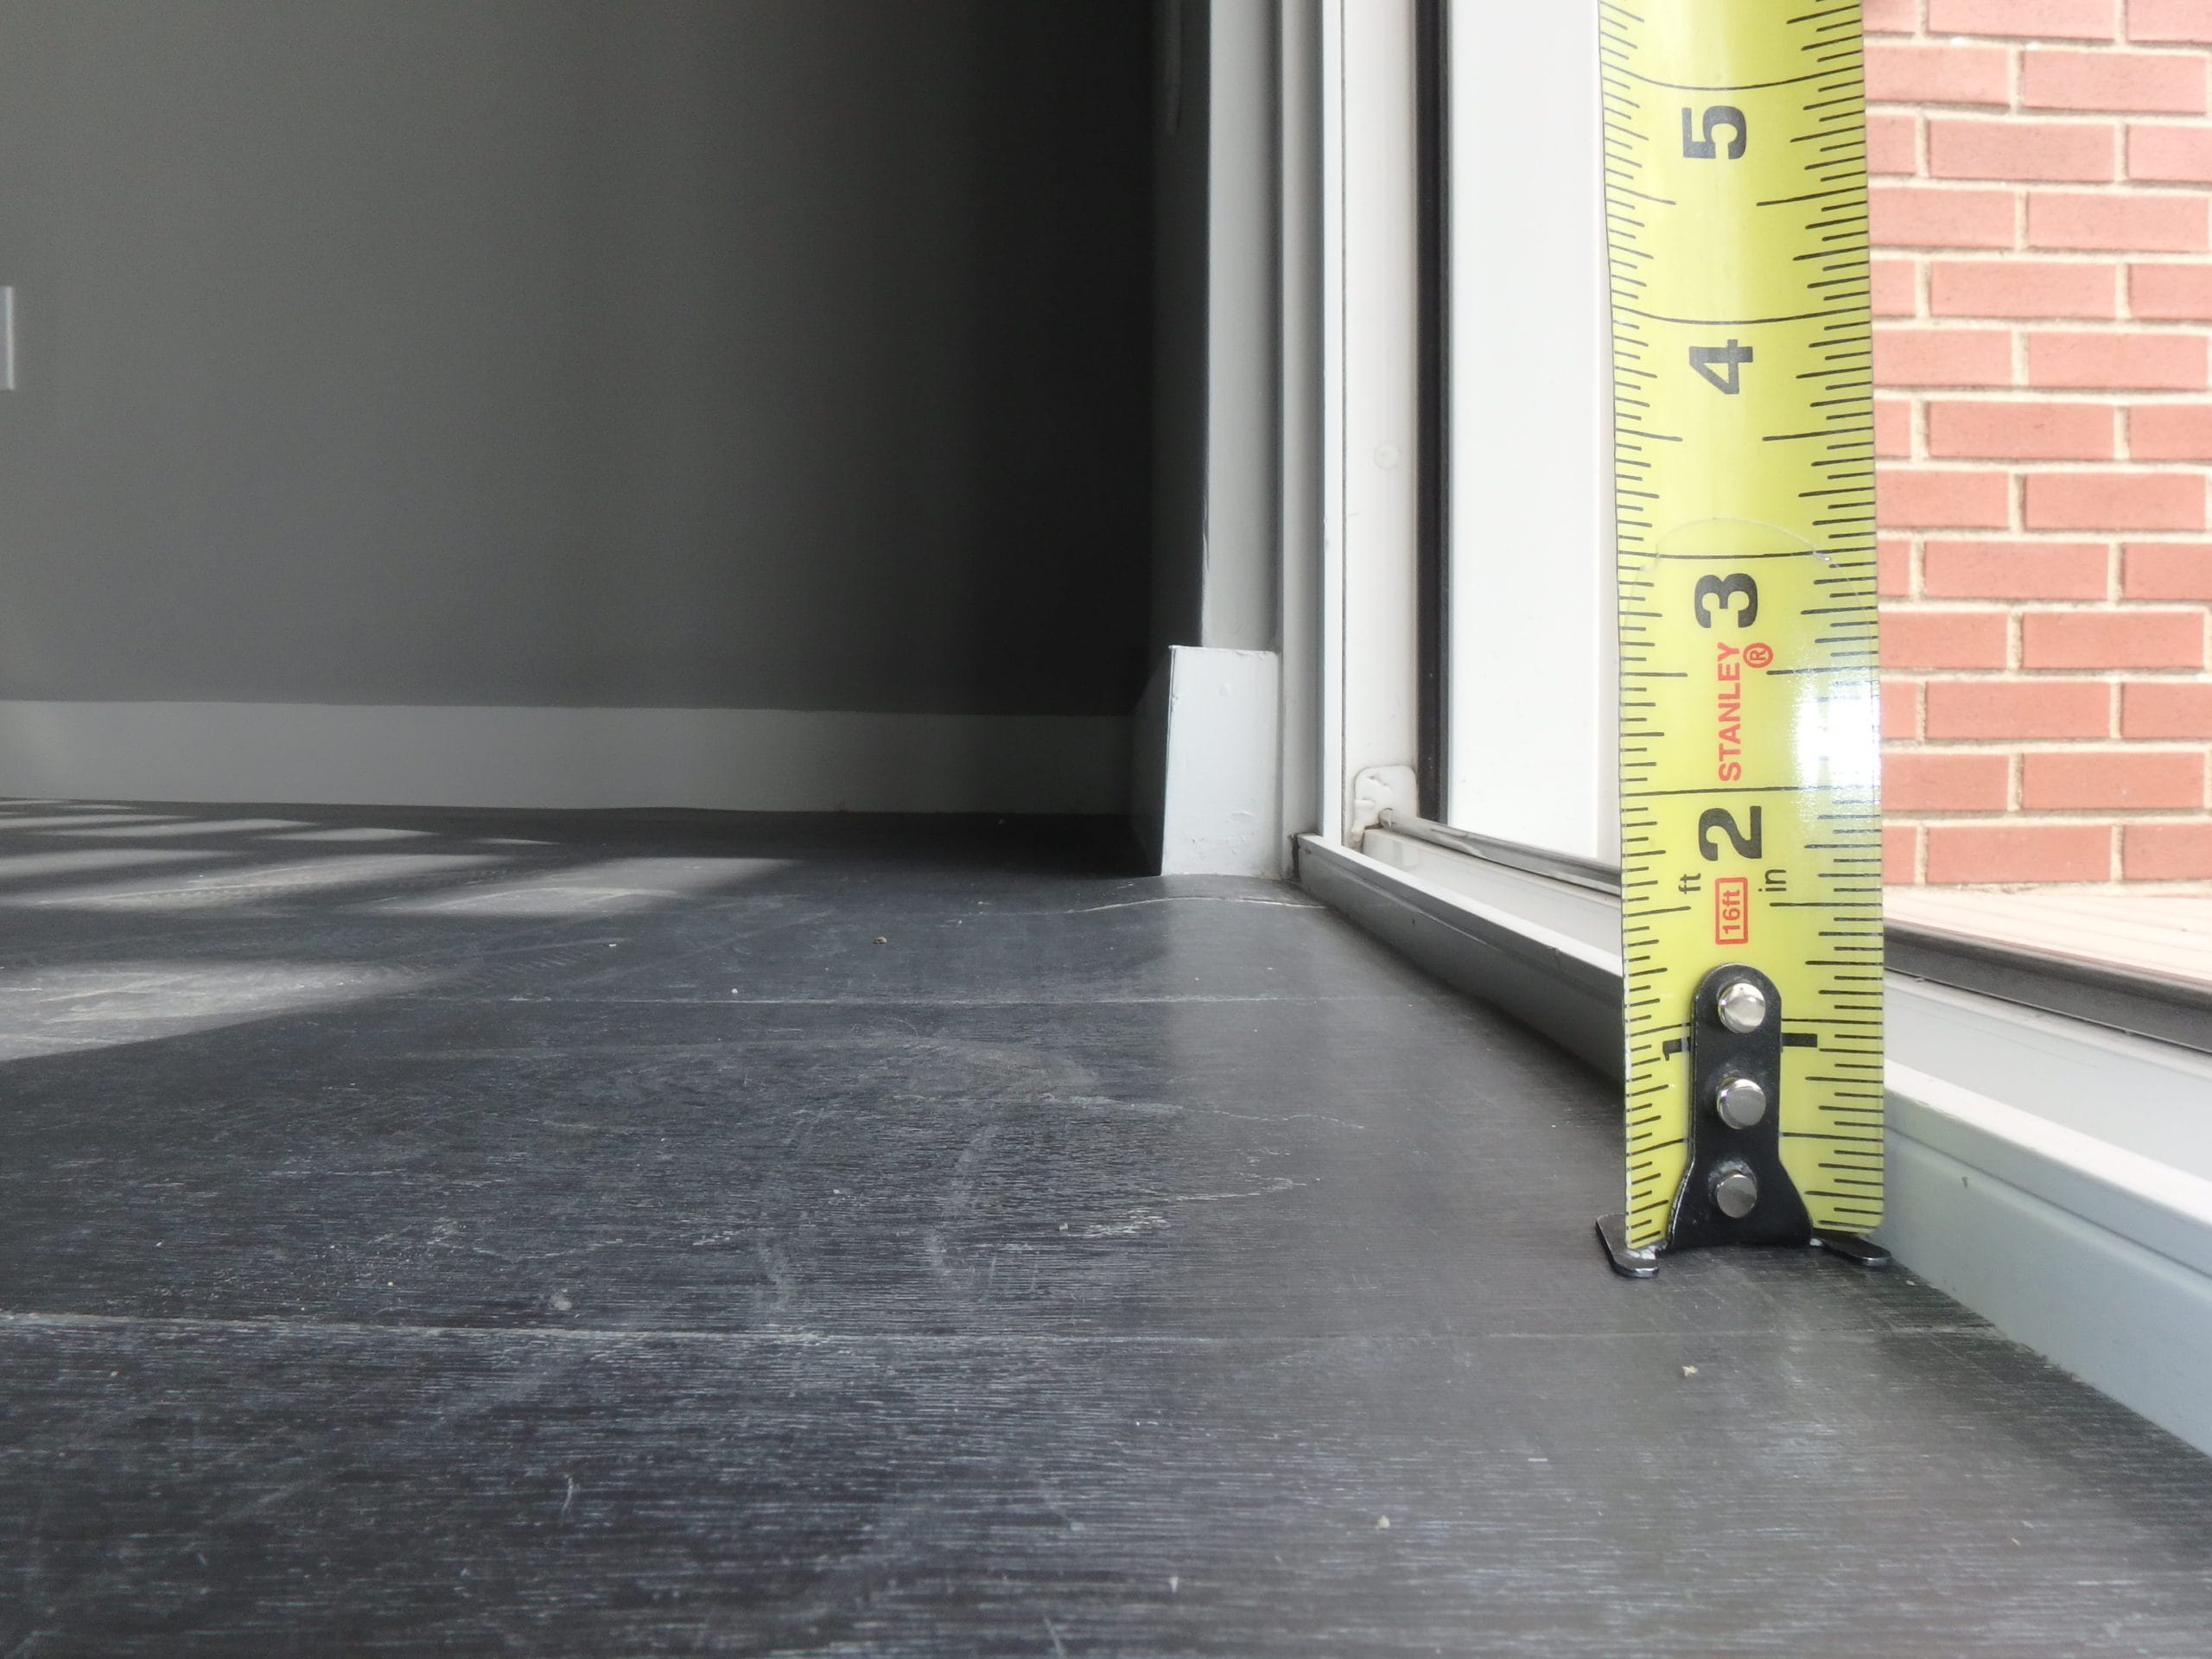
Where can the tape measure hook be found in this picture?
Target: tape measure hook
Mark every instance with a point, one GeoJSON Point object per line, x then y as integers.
{"type": "Point", "coordinates": [1629, 1261]}
{"type": "Point", "coordinates": [1632, 1261]}
{"type": "Point", "coordinates": [1863, 1252]}
{"type": "Point", "coordinates": [1735, 1189]}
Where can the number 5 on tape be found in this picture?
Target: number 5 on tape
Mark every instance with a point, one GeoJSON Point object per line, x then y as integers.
{"type": "Point", "coordinates": [1751, 810]}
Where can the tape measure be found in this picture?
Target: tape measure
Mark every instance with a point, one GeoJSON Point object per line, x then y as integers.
{"type": "Point", "coordinates": [1749, 734]}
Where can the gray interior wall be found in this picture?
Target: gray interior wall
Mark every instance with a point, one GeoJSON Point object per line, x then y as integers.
{"type": "Point", "coordinates": [1215, 271]}
{"type": "Point", "coordinates": [1243, 329]}
{"type": "Point", "coordinates": [788, 354]}
{"type": "Point", "coordinates": [1182, 33]}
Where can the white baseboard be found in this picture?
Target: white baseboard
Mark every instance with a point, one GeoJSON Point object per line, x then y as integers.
{"type": "Point", "coordinates": [737, 760]}
{"type": "Point", "coordinates": [1208, 794]}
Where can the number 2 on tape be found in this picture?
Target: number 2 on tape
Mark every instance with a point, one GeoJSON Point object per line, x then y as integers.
{"type": "Point", "coordinates": [1751, 812]}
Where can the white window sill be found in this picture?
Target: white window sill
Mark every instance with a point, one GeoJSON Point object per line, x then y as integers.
{"type": "Point", "coordinates": [2054, 1175]}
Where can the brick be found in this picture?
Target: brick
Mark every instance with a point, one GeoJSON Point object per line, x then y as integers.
{"type": "Point", "coordinates": [1893, 567]}
{"type": "Point", "coordinates": [2113, 639]}
{"type": "Point", "coordinates": [2161, 153]}
{"type": "Point", "coordinates": [1917, 781]}
{"type": "Point", "coordinates": [2169, 709]}
{"type": "Point", "coordinates": [2171, 293]}
{"type": "Point", "coordinates": [2078, 780]}
{"type": "Point", "coordinates": [1918, 73]}
{"type": "Point", "coordinates": [2117, 362]}
{"type": "Point", "coordinates": [1944, 639]}
{"type": "Point", "coordinates": [1993, 431]}
{"type": "Point", "coordinates": [2171, 83]}
{"type": "Point", "coordinates": [1900, 708]}
{"type": "Point", "coordinates": [1958, 709]}
{"type": "Point", "coordinates": [2115, 501]}
{"type": "Point", "coordinates": [1890, 17]}
{"type": "Point", "coordinates": [2081, 152]}
{"type": "Point", "coordinates": [2170, 432]}
{"type": "Point", "coordinates": [2167, 570]}
{"type": "Point", "coordinates": [1922, 498]}
{"type": "Point", "coordinates": [2150, 223]}
{"type": "Point", "coordinates": [1937, 216]}
{"type": "Point", "coordinates": [1895, 288]}
{"type": "Point", "coordinates": [1893, 427]}
{"type": "Point", "coordinates": [2166, 852]}
{"type": "Point", "coordinates": [2015, 571]}
{"type": "Point", "coordinates": [1893, 144]}
{"type": "Point", "coordinates": [2077, 20]}
{"type": "Point", "coordinates": [2024, 288]}
{"type": "Point", "coordinates": [1900, 854]}
{"type": "Point", "coordinates": [1962, 852]}
{"type": "Point", "coordinates": [1942, 357]}
{"type": "Point", "coordinates": [2186, 20]}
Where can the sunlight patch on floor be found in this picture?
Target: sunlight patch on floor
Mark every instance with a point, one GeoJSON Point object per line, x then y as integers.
{"type": "Point", "coordinates": [252, 884]}
{"type": "Point", "coordinates": [63, 1010]}
{"type": "Point", "coordinates": [612, 884]}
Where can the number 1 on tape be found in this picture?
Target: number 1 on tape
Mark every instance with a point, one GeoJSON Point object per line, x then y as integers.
{"type": "Point", "coordinates": [1751, 810]}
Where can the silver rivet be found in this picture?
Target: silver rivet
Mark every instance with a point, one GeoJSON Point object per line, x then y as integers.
{"type": "Point", "coordinates": [1741, 1103]}
{"type": "Point", "coordinates": [1742, 1007]}
{"type": "Point", "coordinates": [1735, 1190]}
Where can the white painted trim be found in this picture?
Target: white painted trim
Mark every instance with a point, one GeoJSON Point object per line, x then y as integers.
{"type": "Point", "coordinates": [739, 759]}
{"type": "Point", "coordinates": [2164, 1209]}
{"type": "Point", "coordinates": [1214, 712]}
{"type": "Point", "coordinates": [2112, 1310]}
{"type": "Point", "coordinates": [1334, 793]}
{"type": "Point", "coordinates": [1299, 511]}
{"type": "Point", "coordinates": [1375, 392]}
{"type": "Point", "coordinates": [2091, 1248]}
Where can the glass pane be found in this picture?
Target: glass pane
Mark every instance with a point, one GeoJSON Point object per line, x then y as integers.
{"type": "Point", "coordinates": [1530, 713]}
{"type": "Point", "coordinates": [2046, 575]}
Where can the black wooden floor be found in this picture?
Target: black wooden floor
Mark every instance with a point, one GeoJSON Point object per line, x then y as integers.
{"type": "Point", "coordinates": [611, 1235]}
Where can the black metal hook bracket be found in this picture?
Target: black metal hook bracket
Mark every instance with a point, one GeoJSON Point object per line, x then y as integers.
{"type": "Point", "coordinates": [1735, 1190]}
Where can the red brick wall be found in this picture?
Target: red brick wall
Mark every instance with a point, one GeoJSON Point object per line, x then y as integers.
{"type": "Point", "coordinates": [2042, 223]}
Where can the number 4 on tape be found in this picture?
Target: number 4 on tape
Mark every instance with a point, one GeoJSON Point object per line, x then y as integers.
{"type": "Point", "coordinates": [1751, 810]}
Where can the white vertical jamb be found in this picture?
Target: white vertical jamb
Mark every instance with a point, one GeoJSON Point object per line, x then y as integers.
{"type": "Point", "coordinates": [1376, 382]}
{"type": "Point", "coordinates": [1334, 785]}
{"type": "Point", "coordinates": [1301, 534]}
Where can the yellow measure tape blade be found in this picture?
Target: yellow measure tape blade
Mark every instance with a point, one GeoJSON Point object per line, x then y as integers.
{"type": "Point", "coordinates": [1750, 817]}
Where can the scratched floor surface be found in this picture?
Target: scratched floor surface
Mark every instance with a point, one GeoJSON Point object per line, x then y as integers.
{"type": "Point", "coordinates": [424, 1233]}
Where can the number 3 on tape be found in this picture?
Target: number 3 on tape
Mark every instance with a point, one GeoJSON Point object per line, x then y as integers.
{"type": "Point", "coordinates": [1751, 809]}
